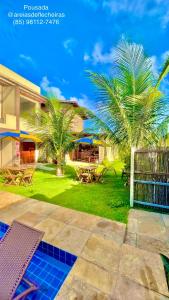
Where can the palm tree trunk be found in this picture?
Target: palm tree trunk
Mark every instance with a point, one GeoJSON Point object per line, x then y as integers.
{"type": "Point", "coordinates": [105, 152]}
{"type": "Point", "coordinates": [59, 171]}
{"type": "Point", "coordinates": [60, 166]}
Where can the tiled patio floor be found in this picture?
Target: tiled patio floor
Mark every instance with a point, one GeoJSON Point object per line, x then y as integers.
{"type": "Point", "coordinates": [149, 231]}
{"type": "Point", "coordinates": [110, 263]}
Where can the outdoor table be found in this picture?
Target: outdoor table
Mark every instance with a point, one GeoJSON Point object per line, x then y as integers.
{"type": "Point", "coordinates": [88, 168]}
{"type": "Point", "coordinates": [16, 169]}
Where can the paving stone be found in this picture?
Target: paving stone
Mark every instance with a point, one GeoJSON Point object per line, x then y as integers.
{"type": "Point", "coordinates": [153, 227]}
{"type": "Point", "coordinates": [71, 239]}
{"type": "Point", "coordinates": [137, 213]}
{"type": "Point", "coordinates": [104, 253]}
{"type": "Point", "coordinates": [51, 228]}
{"type": "Point", "coordinates": [67, 293]}
{"type": "Point", "coordinates": [111, 229]}
{"type": "Point", "coordinates": [132, 225]}
{"type": "Point", "coordinates": [81, 291]}
{"type": "Point", "coordinates": [13, 211]}
{"type": "Point", "coordinates": [85, 221]}
{"type": "Point", "coordinates": [11, 196]}
{"type": "Point", "coordinates": [6, 199]}
{"type": "Point", "coordinates": [42, 208]}
{"type": "Point", "coordinates": [130, 290]}
{"type": "Point", "coordinates": [25, 204]}
{"type": "Point", "coordinates": [144, 267]}
{"type": "Point", "coordinates": [151, 244]}
{"type": "Point", "coordinates": [148, 223]}
{"type": "Point", "coordinates": [64, 215]}
{"type": "Point", "coordinates": [93, 275]}
{"type": "Point", "coordinates": [31, 219]}
{"type": "Point", "coordinates": [166, 220]}
{"type": "Point", "coordinates": [131, 239]}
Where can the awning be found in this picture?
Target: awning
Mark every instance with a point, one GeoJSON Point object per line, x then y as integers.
{"type": "Point", "coordinates": [91, 141]}
{"type": "Point", "coordinates": [19, 135]}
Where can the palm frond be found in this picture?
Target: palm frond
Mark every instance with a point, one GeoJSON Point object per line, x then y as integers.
{"type": "Point", "coordinates": [129, 107]}
{"type": "Point", "coordinates": [164, 72]}
{"type": "Point", "coordinates": [54, 127]}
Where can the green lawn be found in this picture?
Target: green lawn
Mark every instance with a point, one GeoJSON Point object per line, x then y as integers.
{"type": "Point", "coordinates": [109, 199]}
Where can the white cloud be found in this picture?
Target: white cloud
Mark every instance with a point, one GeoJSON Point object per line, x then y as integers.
{"type": "Point", "coordinates": [26, 59]}
{"type": "Point", "coordinates": [165, 20]}
{"type": "Point", "coordinates": [82, 101]}
{"type": "Point", "coordinates": [86, 57]}
{"type": "Point", "coordinates": [98, 56]}
{"type": "Point", "coordinates": [165, 55]}
{"type": "Point", "coordinates": [163, 9]}
{"type": "Point", "coordinates": [64, 81]}
{"type": "Point", "coordinates": [69, 45]}
{"type": "Point", "coordinates": [157, 62]}
{"type": "Point", "coordinates": [165, 86]}
{"type": "Point", "coordinates": [53, 91]}
{"type": "Point", "coordinates": [92, 3]}
{"type": "Point", "coordinates": [116, 6]}
{"type": "Point", "coordinates": [141, 8]}
{"type": "Point", "coordinates": [154, 65]}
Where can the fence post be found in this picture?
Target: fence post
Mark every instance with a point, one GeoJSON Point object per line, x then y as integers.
{"type": "Point", "coordinates": [132, 177]}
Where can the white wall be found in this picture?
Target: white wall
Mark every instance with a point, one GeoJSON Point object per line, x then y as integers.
{"type": "Point", "coordinates": [6, 153]}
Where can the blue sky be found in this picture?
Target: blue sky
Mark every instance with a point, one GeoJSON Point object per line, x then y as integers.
{"type": "Point", "coordinates": [56, 56]}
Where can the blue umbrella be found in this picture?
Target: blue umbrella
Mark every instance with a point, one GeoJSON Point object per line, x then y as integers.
{"type": "Point", "coordinates": [90, 140]}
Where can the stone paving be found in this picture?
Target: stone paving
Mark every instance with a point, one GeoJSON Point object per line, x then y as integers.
{"type": "Point", "coordinates": [149, 231]}
{"type": "Point", "coordinates": [113, 263]}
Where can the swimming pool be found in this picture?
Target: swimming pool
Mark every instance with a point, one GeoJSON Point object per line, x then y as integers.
{"type": "Point", "coordinates": [48, 269]}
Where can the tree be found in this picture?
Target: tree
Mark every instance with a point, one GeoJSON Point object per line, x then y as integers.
{"type": "Point", "coordinates": [130, 105]}
{"type": "Point", "coordinates": [53, 127]}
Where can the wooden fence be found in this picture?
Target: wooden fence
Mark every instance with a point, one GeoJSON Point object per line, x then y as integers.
{"type": "Point", "coordinates": [151, 177]}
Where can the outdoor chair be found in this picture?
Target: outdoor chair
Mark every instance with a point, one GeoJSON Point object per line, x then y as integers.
{"type": "Point", "coordinates": [99, 173]}
{"type": "Point", "coordinates": [83, 175]}
{"type": "Point", "coordinates": [86, 177]}
{"type": "Point", "coordinates": [17, 248]}
{"type": "Point", "coordinates": [78, 173]}
{"type": "Point", "coordinates": [10, 177]}
{"type": "Point", "coordinates": [27, 176]}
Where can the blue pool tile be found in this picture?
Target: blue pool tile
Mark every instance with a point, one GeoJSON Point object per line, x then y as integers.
{"type": "Point", "coordinates": [37, 261]}
{"type": "Point", "coordinates": [55, 282]}
{"type": "Point", "coordinates": [56, 251]}
{"type": "Point", "coordinates": [56, 256]}
{"type": "Point", "coordinates": [62, 259]}
{"type": "Point", "coordinates": [48, 269]}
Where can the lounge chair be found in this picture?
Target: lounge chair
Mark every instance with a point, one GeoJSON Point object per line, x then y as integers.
{"type": "Point", "coordinates": [16, 250]}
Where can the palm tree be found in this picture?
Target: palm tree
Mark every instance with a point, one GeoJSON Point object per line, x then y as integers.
{"type": "Point", "coordinates": [130, 105]}
{"type": "Point", "coordinates": [53, 126]}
